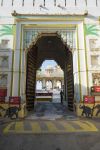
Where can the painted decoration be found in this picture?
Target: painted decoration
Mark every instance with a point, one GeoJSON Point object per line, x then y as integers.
{"type": "Point", "coordinates": [10, 112]}
{"type": "Point", "coordinates": [7, 30]}
{"type": "Point", "coordinates": [86, 111]}
{"type": "Point", "coordinates": [91, 29]}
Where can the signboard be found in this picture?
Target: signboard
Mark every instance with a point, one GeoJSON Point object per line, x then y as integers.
{"type": "Point", "coordinates": [95, 89]}
{"type": "Point", "coordinates": [3, 92]}
{"type": "Point", "coordinates": [89, 99]}
{"type": "Point", "coordinates": [14, 100]}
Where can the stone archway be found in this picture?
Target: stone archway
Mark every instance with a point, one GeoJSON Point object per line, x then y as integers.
{"type": "Point", "coordinates": [49, 45]}
{"type": "Point", "coordinates": [59, 84]}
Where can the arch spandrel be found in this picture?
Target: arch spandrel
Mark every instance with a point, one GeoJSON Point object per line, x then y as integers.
{"type": "Point", "coordinates": [46, 34]}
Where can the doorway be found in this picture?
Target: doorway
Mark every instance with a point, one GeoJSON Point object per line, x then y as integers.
{"type": "Point", "coordinates": [50, 81]}
{"type": "Point", "coordinates": [49, 46]}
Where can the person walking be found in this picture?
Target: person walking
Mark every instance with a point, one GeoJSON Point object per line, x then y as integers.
{"type": "Point", "coordinates": [61, 96]}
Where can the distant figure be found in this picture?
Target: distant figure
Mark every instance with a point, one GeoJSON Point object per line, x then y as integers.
{"type": "Point", "coordinates": [61, 96]}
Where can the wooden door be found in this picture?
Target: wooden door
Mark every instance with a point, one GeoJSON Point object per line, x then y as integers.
{"type": "Point", "coordinates": [31, 77]}
{"type": "Point", "coordinates": [70, 81]}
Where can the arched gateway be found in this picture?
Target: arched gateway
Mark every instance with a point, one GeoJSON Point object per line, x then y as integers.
{"type": "Point", "coordinates": [43, 23]}
{"type": "Point", "coordinates": [49, 46]}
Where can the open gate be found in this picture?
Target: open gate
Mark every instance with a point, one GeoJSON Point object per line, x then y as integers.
{"type": "Point", "coordinates": [31, 77]}
{"type": "Point", "coordinates": [70, 81]}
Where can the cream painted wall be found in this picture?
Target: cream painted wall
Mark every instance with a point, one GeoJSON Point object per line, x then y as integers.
{"type": "Point", "coordinates": [80, 8]}
{"type": "Point", "coordinates": [50, 8]}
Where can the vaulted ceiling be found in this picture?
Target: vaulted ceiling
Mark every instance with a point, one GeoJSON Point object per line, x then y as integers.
{"type": "Point", "coordinates": [51, 46]}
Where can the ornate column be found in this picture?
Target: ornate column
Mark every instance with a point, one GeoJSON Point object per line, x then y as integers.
{"type": "Point", "coordinates": [54, 83]}
{"type": "Point", "coordinates": [43, 83]}
{"type": "Point", "coordinates": [16, 62]}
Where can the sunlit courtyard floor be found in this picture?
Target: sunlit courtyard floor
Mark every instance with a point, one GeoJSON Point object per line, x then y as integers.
{"type": "Point", "coordinates": [50, 111]}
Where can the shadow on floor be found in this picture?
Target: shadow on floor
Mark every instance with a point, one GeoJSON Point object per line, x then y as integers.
{"type": "Point", "coordinates": [51, 111]}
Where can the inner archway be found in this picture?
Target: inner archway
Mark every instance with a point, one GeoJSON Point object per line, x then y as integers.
{"type": "Point", "coordinates": [48, 85]}
{"type": "Point", "coordinates": [39, 85]}
{"type": "Point", "coordinates": [59, 84]}
{"type": "Point", "coordinates": [52, 79]}
{"type": "Point", "coordinates": [49, 46]}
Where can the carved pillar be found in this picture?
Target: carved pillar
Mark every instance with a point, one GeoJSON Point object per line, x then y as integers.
{"type": "Point", "coordinates": [54, 83]}
{"type": "Point", "coordinates": [43, 83]}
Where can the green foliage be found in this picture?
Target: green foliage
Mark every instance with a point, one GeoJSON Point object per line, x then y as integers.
{"type": "Point", "coordinates": [91, 30]}
{"type": "Point", "coordinates": [7, 30]}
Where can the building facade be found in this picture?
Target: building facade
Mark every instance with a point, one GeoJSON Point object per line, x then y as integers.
{"type": "Point", "coordinates": [64, 30]}
{"type": "Point", "coordinates": [50, 78]}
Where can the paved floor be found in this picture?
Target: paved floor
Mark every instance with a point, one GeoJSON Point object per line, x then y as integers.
{"type": "Point", "coordinates": [50, 127]}
{"type": "Point", "coordinates": [42, 127]}
{"type": "Point", "coordinates": [69, 141]}
{"type": "Point", "coordinates": [61, 134]}
{"type": "Point", "coordinates": [50, 118]}
{"type": "Point", "coordinates": [50, 111]}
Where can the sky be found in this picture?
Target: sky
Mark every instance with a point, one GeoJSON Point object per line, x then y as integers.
{"type": "Point", "coordinates": [48, 63]}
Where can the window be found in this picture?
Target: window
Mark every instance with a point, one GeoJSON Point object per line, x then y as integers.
{"type": "Point", "coordinates": [4, 61]}
{"type": "Point", "coordinates": [96, 79]}
{"type": "Point", "coordinates": [94, 45]}
{"type": "Point", "coordinates": [4, 43]}
{"type": "Point", "coordinates": [3, 80]}
{"type": "Point", "coordinates": [94, 60]}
